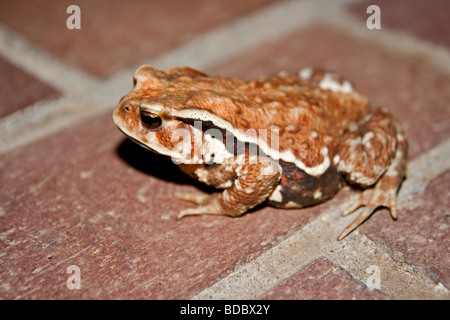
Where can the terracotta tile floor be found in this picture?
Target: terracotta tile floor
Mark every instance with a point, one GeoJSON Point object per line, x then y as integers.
{"type": "Point", "coordinates": [86, 196]}
{"type": "Point", "coordinates": [424, 20]}
{"type": "Point", "coordinates": [116, 34]}
{"type": "Point", "coordinates": [14, 78]}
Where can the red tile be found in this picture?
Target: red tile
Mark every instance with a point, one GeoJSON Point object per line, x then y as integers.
{"type": "Point", "coordinates": [77, 198]}
{"type": "Point", "coordinates": [416, 93]}
{"type": "Point", "coordinates": [19, 90]}
{"type": "Point", "coordinates": [421, 236]}
{"type": "Point", "coordinates": [427, 20]}
{"type": "Point", "coordinates": [115, 34]}
{"type": "Point", "coordinates": [321, 280]}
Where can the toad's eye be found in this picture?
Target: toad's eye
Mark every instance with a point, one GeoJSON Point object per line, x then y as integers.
{"type": "Point", "coordinates": [150, 120]}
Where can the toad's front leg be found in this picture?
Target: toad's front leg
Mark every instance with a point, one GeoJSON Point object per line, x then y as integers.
{"type": "Point", "coordinates": [247, 180]}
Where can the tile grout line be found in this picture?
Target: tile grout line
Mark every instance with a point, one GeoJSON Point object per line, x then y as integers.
{"type": "Point", "coordinates": [97, 95]}
{"type": "Point", "coordinates": [318, 239]}
{"type": "Point", "coordinates": [400, 279]}
{"type": "Point", "coordinates": [393, 40]}
{"type": "Point", "coordinates": [40, 120]}
{"type": "Point", "coordinates": [42, 64]}
{"type": "Point", "coordinates": [282, 18]}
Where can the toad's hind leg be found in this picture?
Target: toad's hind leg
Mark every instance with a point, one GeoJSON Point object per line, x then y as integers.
{"type": "Point", "coordinates": [373, 156]}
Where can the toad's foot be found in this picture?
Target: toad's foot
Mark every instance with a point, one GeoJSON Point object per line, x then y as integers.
{"type": "Point", "coordinates": [384, 194]}
{"type": "Point", "coordinates": [208, 204]}
{"type": "Point", "coordinates": [371, 199]}
{"type": "Point", "coordinates": [374, 156]}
